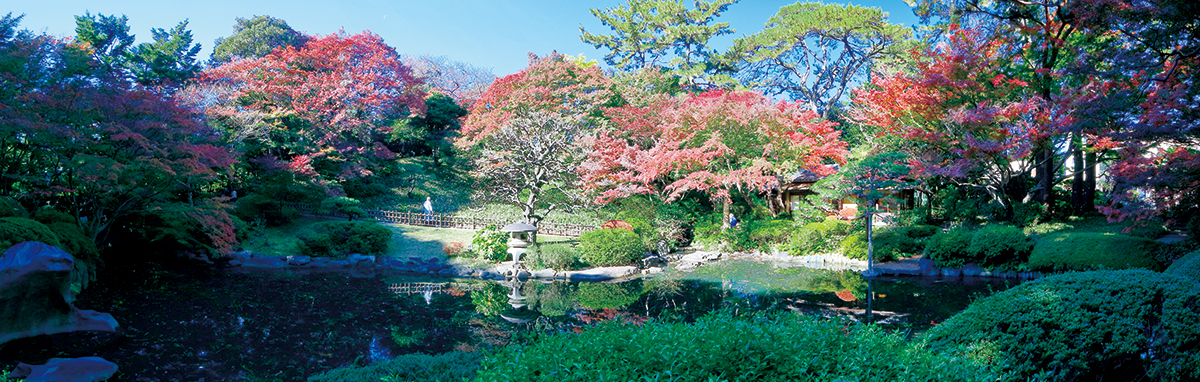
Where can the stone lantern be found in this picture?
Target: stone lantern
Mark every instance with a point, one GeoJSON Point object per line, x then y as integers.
{"type": "Point", "coordinates": [521, 235]}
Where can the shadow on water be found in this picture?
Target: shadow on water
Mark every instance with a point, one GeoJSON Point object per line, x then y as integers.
{"type": "Point", "coordinates": [188, 324]}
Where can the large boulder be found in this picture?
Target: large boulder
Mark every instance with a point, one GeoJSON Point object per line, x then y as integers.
{"type": "Point", "coordinates": [86, 369]}
{"type": "Point", "coordinates": [36, 297]}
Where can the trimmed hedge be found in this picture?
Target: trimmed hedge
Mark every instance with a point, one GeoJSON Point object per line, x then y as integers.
{"type": "Point", "coordinates": [818, 237]}
{"type": "Point", "coordinates": [997, 245]}
{"type": "Point", "coordinates": [1187, 266]}
{"type": "Point", "coordinates": [339, 239]}
{"type": "Point", "coordinates": [14, 230]}
{"type": "Point", "coordinates": [723, 347]}
{"type": "Point", "coordinates": [611, 246]}
{"type": "Point", "coordinates": [1084, 251]}
{"type": "Point", "coordinates": [889, 242]}
{"type": "Point", "coordinates": [949, 249]}
{"type": "Point", "coordinates": [1084, 326]}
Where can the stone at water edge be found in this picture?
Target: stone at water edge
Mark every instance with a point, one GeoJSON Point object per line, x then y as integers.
{"type": "Point", "coordinates": [86, 369]}
{"type": "Point", "coordinates": [360, 259]}
{"type": "Point", "coordinates": [35, 294]}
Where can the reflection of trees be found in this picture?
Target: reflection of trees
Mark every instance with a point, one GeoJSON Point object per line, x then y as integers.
{"type": "Point", "coordinates": [835, 282]}
{"type": "Point", "coordinates": [552, 299]}
{"type": "Point", "coordinates": [491, 299]}
{"type": "Point", "coordinates": [608, 296]}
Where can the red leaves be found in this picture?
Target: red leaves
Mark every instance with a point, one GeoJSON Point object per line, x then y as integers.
{"type": "Point", "coordinates": [342, 84]}
{"type": "Point", "coordinates": [555, 83]}
{"type": "Point", "coordinates": [711, 142]}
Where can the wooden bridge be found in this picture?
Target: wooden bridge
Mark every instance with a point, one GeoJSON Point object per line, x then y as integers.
{"type": "Point", "coordinates": [450, 220]}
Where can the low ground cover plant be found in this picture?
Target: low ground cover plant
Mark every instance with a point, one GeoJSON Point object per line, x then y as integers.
{"type": "Point", "coordinates": [1187, 266]}
{"type": "Point", "coordinates": [1092, 251]}
{"type": "Point", "coordinates": [338, 239]}
{"type": "Point", "coordinates": [724, 347]}
{"type": "Point", "coordinates": [418, 367]}
{"type": "Point", "coordinates": [1124, 325]}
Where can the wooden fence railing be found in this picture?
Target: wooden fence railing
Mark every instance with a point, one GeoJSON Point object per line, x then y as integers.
{"type": "Point", "coordinates": [451, 221]}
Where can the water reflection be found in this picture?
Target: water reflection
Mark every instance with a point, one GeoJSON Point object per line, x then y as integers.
{"type": "Point", "coordinates": [283, 326]}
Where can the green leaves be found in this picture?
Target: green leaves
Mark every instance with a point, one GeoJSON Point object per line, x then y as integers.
{"type": "Point", "coordinates": [814, 52]}
{"type": "Point", "coordinates": [661, 33]}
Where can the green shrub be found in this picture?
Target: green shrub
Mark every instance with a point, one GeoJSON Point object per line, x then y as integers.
{"type": "Point", "coordinates": [949, 249]}
{"type": "Point", "coordinates": [14, 230]}
{"type": "Point", "coordinates": [557, 256]}
{"type": "Point", "coordinates": [918, 231]}
{"type": "Point", "coordinates": [50, 215]}
{"type": "Point", "coordinates": [611, 246]}
{"type": "Point", "coordinates": [9, 207]}
{"type": "Point", "coordinates": [1187, 266]}
{"type": "Point", "coordinates": [854, 247]}
{"type": "Point", "coordinates": [998, 245]}
{"type": "Point", "coordinates": [1092, 251]}
{"type": "Point", "coordinates": [257, 207]}
{"type": "Point", "coordinates": [819, 237]}
{"type": "Point", "coordinates": [608, 295]}
{"type": "Point", "coordinates": [418, 367]}
{"type": "Point", "coordinates": [1193, 228]}
{"type": "Point", "coordinates": [889, 244]}
{"type": "Point", "coordinates": [339, 239]}
{"type": "Point", "coordinates": [1028, 214]}
{"type": "Point", "coordinates": [75, 242]}
{"type": "Point", "coordinates": [1085, 326]}
{"type": "Point", "coordinates": [723, 347]}
{"type": "Point", "coordinates": [342, 206]}
{"type": "Point", "coordinates": [488, 243]}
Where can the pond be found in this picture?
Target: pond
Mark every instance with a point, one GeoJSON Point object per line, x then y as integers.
{"type": "Point", "coordinates": [189, 324]}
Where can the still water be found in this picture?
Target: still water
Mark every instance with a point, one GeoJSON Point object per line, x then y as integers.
{"type": "Point", "coordinates": [187, 324]}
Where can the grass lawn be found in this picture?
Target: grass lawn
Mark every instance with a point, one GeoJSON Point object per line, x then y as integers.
{"type": "Point", "coordinates": [409, 241]}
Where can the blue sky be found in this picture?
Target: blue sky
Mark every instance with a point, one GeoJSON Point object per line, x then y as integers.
{"type": "Point", "coordinates": [494, 34]}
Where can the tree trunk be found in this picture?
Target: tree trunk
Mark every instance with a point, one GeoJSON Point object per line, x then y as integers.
{"type": "Point", "coordinates": [1089, 183]}
{"type": "Point", "coordinates": [725, 204]}
{"type": "Point", "coordinates": [1077, 198]}
{"type": "Point", "coordinates": [1047, 180]}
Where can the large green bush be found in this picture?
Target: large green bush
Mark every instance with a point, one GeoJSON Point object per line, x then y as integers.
{"type": "Point", "coordinates": [258, 207]}
{"type": "Point", "coordinates": [339, 239]}
{"type": "Point", "coordinates": [490, 244]}
{"type": "Point", "coordinates": [818, 237]}
{"type": "Point", "coordinates": [418, 367]}
{"type": "Point", "coordinates": [50, 215]}
{"type": "Point", "coordinates": [949, 249]}
{"type": "Point", "coordinates": [889, 243]}
{"type": "Point", "coordinates": [558, 256]}
{"type": "Point", "coordinates": [9, 207]}
{"type": "Point", "coordinates": [1187, 266]}
{"type": "Point", "coordinates": [1092, 251]}
{"type": "Point", "coordinates": [75, 242]}
{"type": "Point", "coordinates": [999, 245]}
{"type": "Point", "coordinates": [1085, 326]}
{"type": "Point", "coordinates": [14, 230]}
{"type": "Point", "coordinates": [722, 347]}
{"type": "Point", "coordinates": [342, 206]}
{"type": "Point", "coordinates": [611, 246]}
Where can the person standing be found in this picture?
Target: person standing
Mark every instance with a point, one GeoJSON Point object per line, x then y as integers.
{"type": "Point", "coordinates": [428, 207]}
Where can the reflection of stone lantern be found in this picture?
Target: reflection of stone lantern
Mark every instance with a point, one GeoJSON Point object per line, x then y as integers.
{"type": "Point", "coordinates": [521, 235]}
{"type": "Point", "coordinates": [520, 312]}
